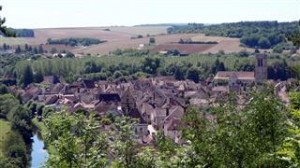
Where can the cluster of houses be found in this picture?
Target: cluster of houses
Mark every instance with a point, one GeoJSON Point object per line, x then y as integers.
{"type": "Point", "coordinates": [157, 103]}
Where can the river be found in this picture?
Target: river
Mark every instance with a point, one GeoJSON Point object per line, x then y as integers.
{"type": "Point", "coordinates": [39, 154]}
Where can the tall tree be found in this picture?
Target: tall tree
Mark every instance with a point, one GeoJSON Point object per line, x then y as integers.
{"type": "Point", "coordinates": [4, 29]}
{"type": "Point", "coordinates": [18, 50]}
{"type": "Point", "coordinates": [27, 76]}
{"type": "Point", "coordinates": [193, 74]}
{"type": "Point", "coordinates": [266, 126]}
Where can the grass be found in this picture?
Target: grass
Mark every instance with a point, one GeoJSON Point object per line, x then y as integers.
{"type": "Point", "coordinates": [4, 130]}
{"type": "Point", "coordinates": [12, 41]}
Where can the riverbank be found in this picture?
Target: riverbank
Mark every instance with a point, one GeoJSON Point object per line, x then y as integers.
{"type": "Point", "coordinates": [39, 151]}
{"type": "Point", "coordinates": [41, 128]}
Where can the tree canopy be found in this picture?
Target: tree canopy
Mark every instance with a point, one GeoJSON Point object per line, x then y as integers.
{"type": "Point", "coordinates": [4, 29]}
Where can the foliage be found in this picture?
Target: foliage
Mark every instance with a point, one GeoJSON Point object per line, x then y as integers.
{"type": "Point", "coordinates": [266, 118]}
{"type": "Point", "coordinates": [15, 150]}
{"type": "Point", "coordinates": [150, 65]}
{"type": "Point", "coordinates": [226, 137]}
{"type": "Point", "coordinates": [189, 28]}
{"type": "Point", "coordinates": [22, 32]}
{"type": "Point", "coordinates": [130, 52]}
{"type": "Point", "coordinates": [19, 119]}
{"type": "Point", "coordinates": [4, 29]}
{"type": "Point", "coordinates": [151, 40]}
{"type": "Point", "coordinates": [76, 140]}
{"type": "Point", "coordinates": [237, 138]}
{"type": "Point", "coordinates": [21, 122]}
{"type": "Point", "coordinates": [5, 129]}
{"type": "Point", "coordinates": [290, 150]}
{"type": "Point", "coordinates": [218, 66]}
{"type": "Point", "coordinates": [295, 100]}
{"type": "Point", "coordinates": [280, 66]}
{"type": "Point", "coordinates": [165, 144]}
{"type": "Point", "coordinates": [280, 70]}
{"type": "Point", "coordinates": [75, 41]}
{"type": "Point", "coordinates": [19, 116]}
{"type": "Point", "coordinates": [295, 37]}
{"type": "Point", "coordinates": [262, 34]}
{"type": "Point", "coordinates": [3, 89]}
{"type": "Point", "coordinates": [27, 77]}
{"type": "Point", "coordinates": [193, 74]}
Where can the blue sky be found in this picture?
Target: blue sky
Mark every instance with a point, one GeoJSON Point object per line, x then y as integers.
{"type": "Point", "coordinates": [82, 13]}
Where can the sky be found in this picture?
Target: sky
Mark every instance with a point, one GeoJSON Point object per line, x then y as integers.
{"type": "Point", "coordinates": [96, 13]}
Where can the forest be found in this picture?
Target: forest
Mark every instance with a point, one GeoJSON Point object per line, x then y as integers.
{"type": "Point", "coordinates": [260, 34]}
{"type": "Point", "coordinates": [24, 32]}
{"type": "Point", "coordinates": [19, 32]}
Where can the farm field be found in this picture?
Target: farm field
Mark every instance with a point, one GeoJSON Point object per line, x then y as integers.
{"type": "Point", "coordinates": [142, 30]}
{"type": "Point", "coordinates": [121, 38]}
{"type": "Point", "coordinates": [227, 44]}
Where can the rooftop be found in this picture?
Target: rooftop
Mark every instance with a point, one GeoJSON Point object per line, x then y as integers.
{"type": "Point", "coordinates": [241, 75]}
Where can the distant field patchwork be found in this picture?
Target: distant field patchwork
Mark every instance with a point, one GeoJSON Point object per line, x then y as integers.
{"type": "Point", "coordinates": [121, 38]}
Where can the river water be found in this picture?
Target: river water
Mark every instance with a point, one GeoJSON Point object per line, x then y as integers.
{"type": "Point", "coordinates": [39, 154]}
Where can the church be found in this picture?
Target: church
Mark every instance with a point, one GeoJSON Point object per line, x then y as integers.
{"type": "Point", "coordinates": [237, 79]}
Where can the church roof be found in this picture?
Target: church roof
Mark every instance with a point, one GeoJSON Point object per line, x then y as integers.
{"type": "Point", "coordinates": [240, 75]}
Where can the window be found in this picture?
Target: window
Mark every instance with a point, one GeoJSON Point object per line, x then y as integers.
{"type": "Point", "coordinates": [260, 63]}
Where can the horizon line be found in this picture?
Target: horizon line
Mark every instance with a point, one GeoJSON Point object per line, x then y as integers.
{"type": "Point", "coordinates": [155, 24]}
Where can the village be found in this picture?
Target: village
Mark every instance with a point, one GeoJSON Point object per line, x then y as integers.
{"type": "Point", "coordinates": [156, 84]}
{"type": "Point", "coordinates": [158, 104]}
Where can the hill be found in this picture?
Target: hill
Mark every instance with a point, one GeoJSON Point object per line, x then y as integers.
{"type": "Point", "coordinates": [121, 38]}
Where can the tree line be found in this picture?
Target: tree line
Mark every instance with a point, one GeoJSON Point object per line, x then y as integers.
{"type": "Point", "coordinates": [22, 32]}
{"type": "Point", "coordinates": [126, 68]}
{"type": "Point", "coordinates": [76, 41]}
{"type": "Point", "coordinates": [260, 34]}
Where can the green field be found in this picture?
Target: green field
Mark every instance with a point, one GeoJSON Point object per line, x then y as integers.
{"type": "Point", "coordinates": [4, 130]}
{"type": "Point", "coordinates": [12, 41]}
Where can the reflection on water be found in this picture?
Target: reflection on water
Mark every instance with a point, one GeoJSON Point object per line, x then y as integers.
{"type": "Point", "coordinates": [39, 154]}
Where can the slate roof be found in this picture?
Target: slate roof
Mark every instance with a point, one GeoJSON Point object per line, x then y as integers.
{"type": "Point", "coordinates": [51, 100]}
{"type": "Point", "coordinates": [109, 97]}
{"type": "Point", "coordinates": [90, 84]}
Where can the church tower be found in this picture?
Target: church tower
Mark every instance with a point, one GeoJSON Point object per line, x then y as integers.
{"type": "Point", "coordinates": [261, 68]}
